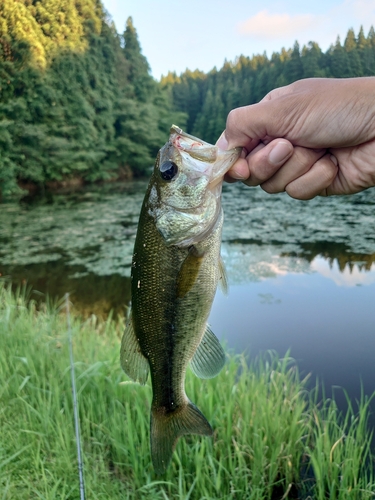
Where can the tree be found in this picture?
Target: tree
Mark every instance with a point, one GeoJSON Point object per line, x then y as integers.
{"type": "Point", "coordinates": [371, 37]}
{"type": "Point", "coordinates": [339, 62]}
{"type": "Point", "coordinates": [74, 103]}
{"type": "Point", "coordinates": [361, 39]}
{"type": "Point", "coordinates": [294, 68]}
{"type": "Point", "coordinates": [312, 61]}
{"type": "Point", "coordinates": [350, 41]}
{"type": "Point", "coordinates": [139, 70]}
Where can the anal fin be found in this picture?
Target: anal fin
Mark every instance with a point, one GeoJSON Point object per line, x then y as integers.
{"type": "Point", "coordinates": [134, 364]}
{"type": "Point", "coordinates": [209, 358]}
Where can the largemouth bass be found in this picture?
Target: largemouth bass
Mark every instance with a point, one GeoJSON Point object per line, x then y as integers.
{"type": "Point", "coordinates": [175, 271]}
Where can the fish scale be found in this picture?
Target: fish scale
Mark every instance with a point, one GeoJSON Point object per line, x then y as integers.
{"type": "Point", "coordinates": [175, 271]}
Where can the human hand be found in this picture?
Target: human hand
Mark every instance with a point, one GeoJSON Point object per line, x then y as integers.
{"type": "Point", "coordinates": [313, 137]}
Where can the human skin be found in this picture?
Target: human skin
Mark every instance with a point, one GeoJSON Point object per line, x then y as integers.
{"type": "Point", "coordinates": [313, 137]}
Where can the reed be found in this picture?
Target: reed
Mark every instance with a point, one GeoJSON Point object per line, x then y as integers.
{"type": "Point", "coordinates": [273, 438]}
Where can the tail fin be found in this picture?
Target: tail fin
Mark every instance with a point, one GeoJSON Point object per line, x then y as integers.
{"type": "Point", "coordinates": [167, 428]}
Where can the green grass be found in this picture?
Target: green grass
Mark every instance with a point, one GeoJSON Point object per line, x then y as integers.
{"type": "Point", "coordinates": [272, 438]}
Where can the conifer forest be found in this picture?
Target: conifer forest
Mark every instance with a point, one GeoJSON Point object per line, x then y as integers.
{"type": "Point", "coordinates": [78, 102]}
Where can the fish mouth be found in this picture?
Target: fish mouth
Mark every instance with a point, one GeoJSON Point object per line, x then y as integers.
{"type": "Point", "coordinates": [215, 162]}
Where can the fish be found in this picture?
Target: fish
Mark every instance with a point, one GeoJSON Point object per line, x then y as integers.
{"type": "Point", "coordinates": [176, 267]}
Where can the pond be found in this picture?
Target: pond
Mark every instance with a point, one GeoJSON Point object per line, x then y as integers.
{"type": "Point", "coordinates": [301, 274]}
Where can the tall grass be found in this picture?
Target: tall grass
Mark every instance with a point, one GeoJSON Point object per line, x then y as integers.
{"type": "Point", "coordinates": [273, 439]}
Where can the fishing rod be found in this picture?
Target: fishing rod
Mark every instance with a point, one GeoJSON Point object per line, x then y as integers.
{"type": "Point", "coordinates": [75, 403]}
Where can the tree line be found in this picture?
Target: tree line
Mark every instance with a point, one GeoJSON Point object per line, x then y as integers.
{"type": "Point", "coordinates": [207, 98]}
{"type": "Point", "coordinates": [78, 102]}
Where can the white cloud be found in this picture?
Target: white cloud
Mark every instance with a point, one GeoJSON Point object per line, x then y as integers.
{"type": "Point", "coordinates": [266, 25]}
{"type": "Point", "coordinates": [270, 29]}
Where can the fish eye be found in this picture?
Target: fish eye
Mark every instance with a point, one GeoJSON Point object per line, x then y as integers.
{"type": "Point", "coordinates": [168, 170]}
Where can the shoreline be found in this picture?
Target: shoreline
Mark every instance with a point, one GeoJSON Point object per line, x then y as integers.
{"type": "Point", "coordinates": [125, 174]}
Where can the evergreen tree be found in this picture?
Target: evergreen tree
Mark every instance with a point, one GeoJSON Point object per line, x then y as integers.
{"type": "Point", "coordinates": [367, 54]}
{"type": "Point", "coordinates": [354, 60]}
{"type": "Point", "coordinates": [371, 37]}
{"type": "Point", "coordinates": [350, 41]}
{"type": "Point", "coordinates": [294, 68]}
{"type": "Point", "coordinates": [74, 103]}
{"type": "Point", "coordinates": [339, 62]}
{"type": "Point", "coordinates": [139, 70]}
{"type": "Point", "coordinates": [247, 80]}
{"type": "Point", "coordinates": [362, 42]}
{"type": "Point", "coordinates": [312, 61]}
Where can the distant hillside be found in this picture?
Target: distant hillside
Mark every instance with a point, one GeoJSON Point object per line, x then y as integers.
{"type": "Point", "coordinates": [77, 102]}
{"type": "Point", "coordinates": [207, 98]}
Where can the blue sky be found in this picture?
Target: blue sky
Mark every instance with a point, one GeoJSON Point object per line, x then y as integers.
{"type": "Point", "coordinates": [176, 35]}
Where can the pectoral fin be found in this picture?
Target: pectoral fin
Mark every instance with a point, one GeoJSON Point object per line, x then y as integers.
{"type": "Point", "coordinates": [188, 272]}
{"type": "Point", "coordinates": [209, 358]}
{"type": "Point", "coordinates": [134, 364]}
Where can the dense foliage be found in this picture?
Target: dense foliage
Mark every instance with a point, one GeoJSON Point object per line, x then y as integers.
{"type": "Point", "coordinates": [207, 98]}
{"type": "Point", "coordinates": [78, 103]}
{"type": "Point", "coordinates": [76, 99]}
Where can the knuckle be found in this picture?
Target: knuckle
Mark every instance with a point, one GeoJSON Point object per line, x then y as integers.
{"type": "Point", "coordinates": [271, 188]}
{"type": "Point", "coordinates": [305, 156]}
{"type": "Point", "coordinates": [232, 119]}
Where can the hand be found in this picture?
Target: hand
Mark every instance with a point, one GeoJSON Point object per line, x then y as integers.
{"type": "Point", "coordinates": [313, 137]}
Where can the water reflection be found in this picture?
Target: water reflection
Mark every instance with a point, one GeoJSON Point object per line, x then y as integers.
{"type": "Point", "coordinates": [335, 252]}
{"type": "Point", "coordinates": [322, 316]}
{"type": "Point", "coordinates": [89, 293]}
{"type": "Point", "coordinates": [353, 273]}
{"type": "Point", "coordinates": [252, 262]}
{"type": "Point", "coordinates": [301, 274]}
{"type": "Point", "coordinates": [82, 241]}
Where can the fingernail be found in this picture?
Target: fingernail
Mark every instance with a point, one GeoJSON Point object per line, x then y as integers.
{"type": "Point", "coordinates": [222, 142]}
{"type": "Point", "coordinates": [279, 153]}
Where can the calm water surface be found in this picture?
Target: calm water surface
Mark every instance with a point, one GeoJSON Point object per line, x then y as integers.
{"type": "Point", "coordinates": [301, 274]}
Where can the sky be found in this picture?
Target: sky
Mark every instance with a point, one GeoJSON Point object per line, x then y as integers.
{"type": "Point", "coordinates": [201, 34]}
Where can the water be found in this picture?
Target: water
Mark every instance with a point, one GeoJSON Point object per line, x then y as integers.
{"type": "Point", "coordinates": [301, 274]}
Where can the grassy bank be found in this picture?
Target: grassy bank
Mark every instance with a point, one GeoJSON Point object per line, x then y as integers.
{"type": "Point", "coordinates": [272, 439]}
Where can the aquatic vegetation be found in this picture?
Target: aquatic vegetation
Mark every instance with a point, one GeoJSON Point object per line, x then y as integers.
{"type": "Point", "coordinates": [273, 439]}
{"type": "Point", "coordinates": [93, 231]}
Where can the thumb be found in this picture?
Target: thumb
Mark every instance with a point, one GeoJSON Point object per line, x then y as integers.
{"type": "Point", "coordinates": [246, 127]}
